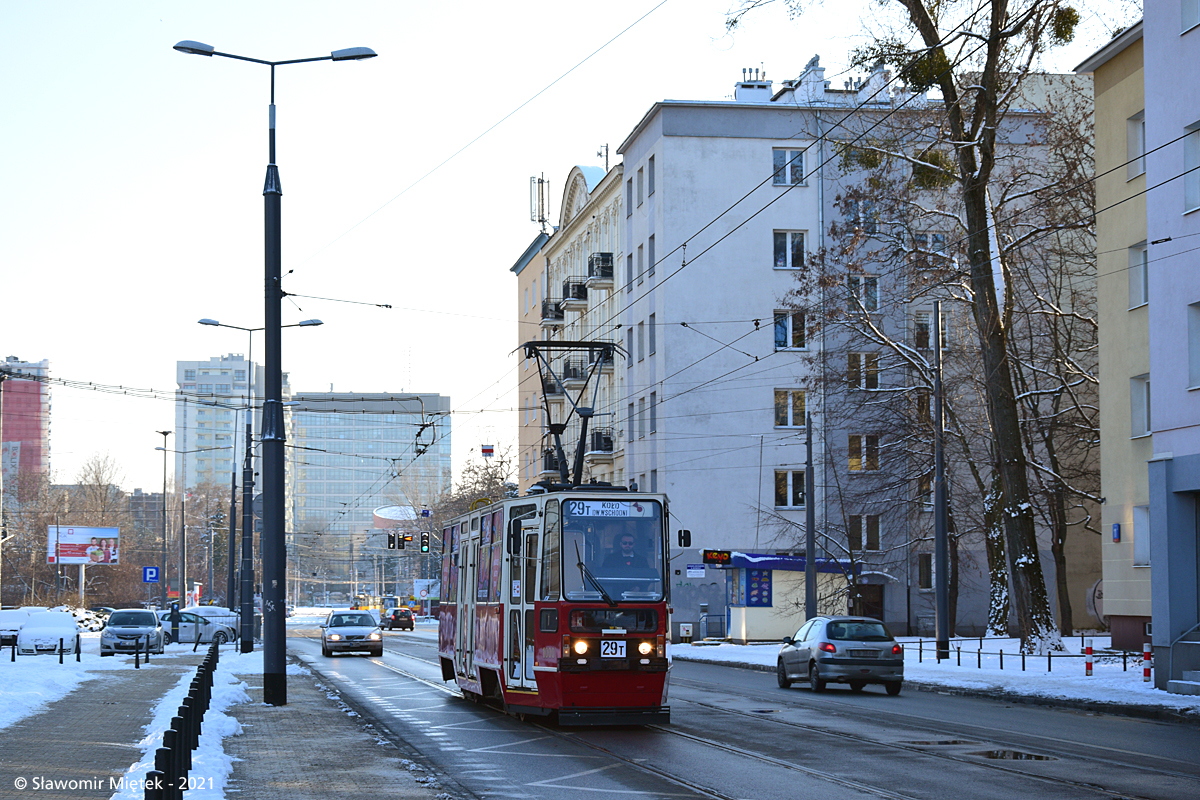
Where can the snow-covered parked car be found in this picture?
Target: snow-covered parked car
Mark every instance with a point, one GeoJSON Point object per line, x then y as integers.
{"type": "Point", "coordinates": [46, 632]}
{"type": "Point", "coordinates": [11, 621]}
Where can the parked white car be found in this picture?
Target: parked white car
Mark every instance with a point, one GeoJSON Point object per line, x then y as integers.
{"type": "Point", "coordinates": [46, 631]}
{"type": "Point", "coordinates": [11, 621]}
{"type": "Point", "coordinates": [195, 622]}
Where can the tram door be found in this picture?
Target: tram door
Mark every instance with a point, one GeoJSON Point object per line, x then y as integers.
{"type": "Point", "coordinates": [518, 644]}
{"type": "Point", "coordinates": [465, 650]}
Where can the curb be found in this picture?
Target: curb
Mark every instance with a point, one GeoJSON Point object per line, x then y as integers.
{"type": "Point", "coordinates": [1155, 713]}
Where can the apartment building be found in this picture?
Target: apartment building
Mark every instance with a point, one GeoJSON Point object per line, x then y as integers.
{"type": "Point", "coordinates": [25, 424]}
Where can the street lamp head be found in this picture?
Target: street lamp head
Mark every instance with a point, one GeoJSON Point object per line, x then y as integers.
{"type": "Point", "coordinates": [207, 321]}
{"type": "Point", "coordinates": [197, 48]}
{"type": "Point", "coordinates": [160, 448]}
{"type": "Point", "coordinates": [308, 323]}
{"type": "Point", "coordinates": [349, 54]}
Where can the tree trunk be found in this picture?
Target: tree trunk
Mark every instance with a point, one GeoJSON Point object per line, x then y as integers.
{"type": "Point", "coordinates": [998, 605]}
{"type": "Point", "coordinates": [1058, 544]}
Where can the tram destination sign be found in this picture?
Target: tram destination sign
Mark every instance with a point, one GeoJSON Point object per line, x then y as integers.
{"type": "Point", "coordinates": [610, 508]}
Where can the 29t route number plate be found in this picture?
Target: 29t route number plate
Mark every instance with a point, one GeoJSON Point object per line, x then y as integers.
{"type": "Point", "coordinates": [612, 648]}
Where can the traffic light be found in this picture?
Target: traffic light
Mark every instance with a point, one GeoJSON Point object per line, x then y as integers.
{"type": "Point", "coordinates": [391, 541]}
{"type": "Point", "coordinates": [424, 542]}
{"type": "Point", "coordinates": [408, 537]}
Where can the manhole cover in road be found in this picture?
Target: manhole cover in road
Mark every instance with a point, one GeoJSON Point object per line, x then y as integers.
{"type": "Point", "coordinates": [1013, 755]}
{"type": "Point", "coordinates": [940, 741]}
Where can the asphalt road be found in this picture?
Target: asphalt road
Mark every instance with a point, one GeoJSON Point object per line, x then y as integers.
{"type": "Point", "coordinates": [735, 734]}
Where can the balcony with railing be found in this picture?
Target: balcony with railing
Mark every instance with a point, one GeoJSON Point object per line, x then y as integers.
{"type": "Point", "coordinates": [551, 389]}
{"type": "Point", "coordinates": [549, 463]}
{"type": "Point", "coordinates": [609, 354]}
{"type": "Point", "coordinates": [574, 294]}
{"type": "Point", "coordinates": [552, 313]}
{"type": "Point", "coordinates": [601, 445]}
{"type": "Point", "coordinates": [574, 373]}
{"type": "Point", "coordinates": [600, 271]}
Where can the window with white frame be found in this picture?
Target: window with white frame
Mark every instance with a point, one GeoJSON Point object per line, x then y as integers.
{"type": "Point", "coordinates": [789, 167]}
{"type": "Point", "coordinates": [629, 424]}
{"type": "Point", "coordinates": [862, 215]}
{"type": "Point", "coordinates": [1191, 169]}
{"type": "Point", "coordinates": [1193, 321]}
{"type": "Point", "coordinates": [189, 374]}
{"type": "Point", "coordinates": [862, 532]}
{"type": "Point", "coordinates": [629, 272]}
{"type": "Point", "coordinates": [863, 291]}
{"type": "Point", "coordinates": [929, 250]}
{"type": "Point", "coordinates": [789, 330]}
{"type": "Point", "coordinates": [629, 347]}
{"type": "Point", "coordinates": [862, 370]}
{"type": "Point", "coordinates": [641, 264]}
{"type": "Point", "coordinates": [641, 341]}
{"type": "Point", "coordinates": [1139, 275]}
{"type": "Point", "coordinates": [864, 453]}
{"type": "Point", "coordinates": [641, 180]}
{"type": "Point", "coordinates": [641, 413]}
{"type": "Point", "coordinates": [629, 197]}
{"type": "Point", "coordinates": [1139, 405]}
{"type": "Point", "coordinates": [788, 247]}
{"type": "Point", "coordinates": [653, 413]}
{"type": "Point", "coordinates": [789, 408]}
{"type": "Point", "coordinates": [1135, 145]}
{"type": "Point", "coordinates": [1141, 536]}
{"type": "Point", "coordinates": [789, 488]}
{"type": "Point", "coordinates": [923, 330]}
{"type": "Point", "coordinates": [650, 256]}
{"type": "Point", "coordinates": [651, 333]}
{"type": "Point", "coordinates": [650, 186]}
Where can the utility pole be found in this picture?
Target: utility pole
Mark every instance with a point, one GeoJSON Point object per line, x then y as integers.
{"type": "Point", "coordinates": [941, 545]}
{"type": "Point", "coordinates": [810, 525]}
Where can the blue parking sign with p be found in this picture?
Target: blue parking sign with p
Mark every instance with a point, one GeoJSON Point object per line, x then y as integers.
{"type": "Point", "coordinates": [149, 574]}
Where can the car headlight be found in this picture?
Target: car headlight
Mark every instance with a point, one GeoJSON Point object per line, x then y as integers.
{"type": "Point", "coordinates": [375, 636]}
{"type": "Point", "coordinates": [335, 637]}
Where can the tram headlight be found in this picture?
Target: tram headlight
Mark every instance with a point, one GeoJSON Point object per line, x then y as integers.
{"type": "Point", "coordinates": [581, 646]}
{"type": "Point", "coordinates": [644, 648]}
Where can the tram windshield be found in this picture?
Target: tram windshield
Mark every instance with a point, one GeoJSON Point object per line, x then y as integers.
{"type": "Point", "coordinates": [620, 546]}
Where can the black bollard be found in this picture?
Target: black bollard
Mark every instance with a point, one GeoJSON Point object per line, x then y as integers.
{"type": "Point", "coordinates": [155, 783]}
{"type": "Point", "coordinates": [61, 647]}
{"type": "Point", "coordinates": [171, 746]}
{"type": "Point", "coordinates": [78, 648]}
{"type": "Point", "coordinates": [14, 651]}
{"type": "Point", "coordinates": [137, 653]}
{"type": "Point", "coordinates": [182, 753]}
{"type": "Point", "coordinates": [147, 648]}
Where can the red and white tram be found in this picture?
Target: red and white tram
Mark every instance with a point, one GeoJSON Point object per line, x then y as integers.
{"type": "Point", "coordinates": [548, 609]}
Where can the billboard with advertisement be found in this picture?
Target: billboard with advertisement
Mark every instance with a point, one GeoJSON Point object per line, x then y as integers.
{"type": "Point", "coordinates": [75, 544]}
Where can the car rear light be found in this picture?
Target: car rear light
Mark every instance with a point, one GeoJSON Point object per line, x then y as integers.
{"type": "Point", "coordinates": [897, 649]}
{"type": "Point", "coordinates": [827, 647]}
{"type": "Point", "coordinates": [660, 644]}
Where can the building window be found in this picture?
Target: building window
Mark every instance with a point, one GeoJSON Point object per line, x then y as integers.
{"type": "Point", "coordinates": [631, 420]}
{"type": "Point", "coordinates": [861, 214]}
{"type": "Point", "coordinates": [929, 250]}
{"type": "Point", "coordinates": [789, 167]}
{"type": "Point", "coordinates": [629, 272]}
{"type": "Point", "coordinates": [640, 186]}
{"type": "Point", "coordinates": [650, 189]}
{"type": "Point", "coordinates": [923, 330]}
{"type": "Point", "coordinates": [1141, 536]}
{"type": "Point", "coordinates": [641, 413]}
{"type": "Point", "coordinates": [653, 414]}
{"type": "Point", "coordinates": [189, 374]}
{"type": "Point", "coordinates": [864, 453]}
{"type": "Point", "coordinates": [789, 488]}
{"type": "Point", "coordinates": [862, 370]}
{"type": "Point", "coordinates": [924, 570]}
{"type": "Point", "coordinates": [1139, 405]}
{"type": "Point", "coordinates": [653, 326]}
{"type": "Point", "coordinates": [640, 264]}
{"type": "Point", "coordinates": [1135, 145]}
{"type": "Point", "coordinates": [650, 255]}
{"type": "Point", "coordinates": [789, 249]}
{"type": "Point", "coordinates": [863, 532]}
{"type": "Point", "coordinates": [629, 197]}
{"type": "Point", "coordinates": [629, 347]}
{"type": "Point", "coordinates": [641, 341]}
{"type": "Point", "coordinates": [206, 387]}
{"type": "Point", "coordinates": [789, 330]}
{"type": "Point", "coordinates": [862, 292]}
{"type": "Point", "coordinates": [1139, 275]}
{"type": "Point", "coordinates": [789, 408]}
{"type": "Point", "coordinates": [1191, 169]}
{"type": "Point", "coordinates": [1193, 319]}
{"type": "Point", "coordinates": [925, 490]}
{"type": "Point", "coordinates": [654, 480]}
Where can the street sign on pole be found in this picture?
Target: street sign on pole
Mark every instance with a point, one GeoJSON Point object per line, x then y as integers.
{"type": "Point", "coordinates": [149, 574]}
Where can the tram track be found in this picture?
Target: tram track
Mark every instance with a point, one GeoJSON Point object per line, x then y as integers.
{"type": "Point", "coordinates": [1046, 744]}
{"type": "Point", "coordinates": [917, 724]}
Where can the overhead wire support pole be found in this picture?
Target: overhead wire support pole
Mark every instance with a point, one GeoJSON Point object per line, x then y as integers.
{"type": "Point", "coordinates": [810, 528]}
{"type": "Point", "coordinates": [941, 542]}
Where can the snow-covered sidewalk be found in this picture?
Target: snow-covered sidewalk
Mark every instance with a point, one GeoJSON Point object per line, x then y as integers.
{"type": "Point", "coordinates": [1064, 678]}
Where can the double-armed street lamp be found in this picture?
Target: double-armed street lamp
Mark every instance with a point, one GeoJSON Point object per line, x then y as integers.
{"type": "Point", "coordinates": [273, 434]}
{"type": "Point", "coordinates": [246, 604]}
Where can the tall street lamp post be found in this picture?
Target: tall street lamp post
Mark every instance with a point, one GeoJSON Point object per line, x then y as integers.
{"type": "Point", "coordinates": [273, 435]}
{"type": "Point", "coordinates": [162, 575]}
{"type": "Point", "coordinates": [246, 604]}
{"type": "Point", "coordinates": [182, 518]}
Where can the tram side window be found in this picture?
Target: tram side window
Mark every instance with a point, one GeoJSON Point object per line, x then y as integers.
{"type": "Point", "coordinates": [497, 554]}
{"type": "Point", "coordinates": [483, 569]}
{"type": "Point", "coordinates": [550, 552]}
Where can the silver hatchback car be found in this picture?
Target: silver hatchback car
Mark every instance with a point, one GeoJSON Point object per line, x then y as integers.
{"type": "Point", "coordinates": [347, 631]}
{"type": "Point", "coordinates": [852, 650]}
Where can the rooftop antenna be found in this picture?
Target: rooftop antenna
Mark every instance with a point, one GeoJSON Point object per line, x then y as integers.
{"type": "Point", "coordinates": [603, 151]}
{"type": "Point", "coordinates": [539, 187]}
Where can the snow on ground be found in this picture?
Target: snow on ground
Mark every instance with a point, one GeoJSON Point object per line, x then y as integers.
{"type": "Point", "coordinates": [1065, 679]}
